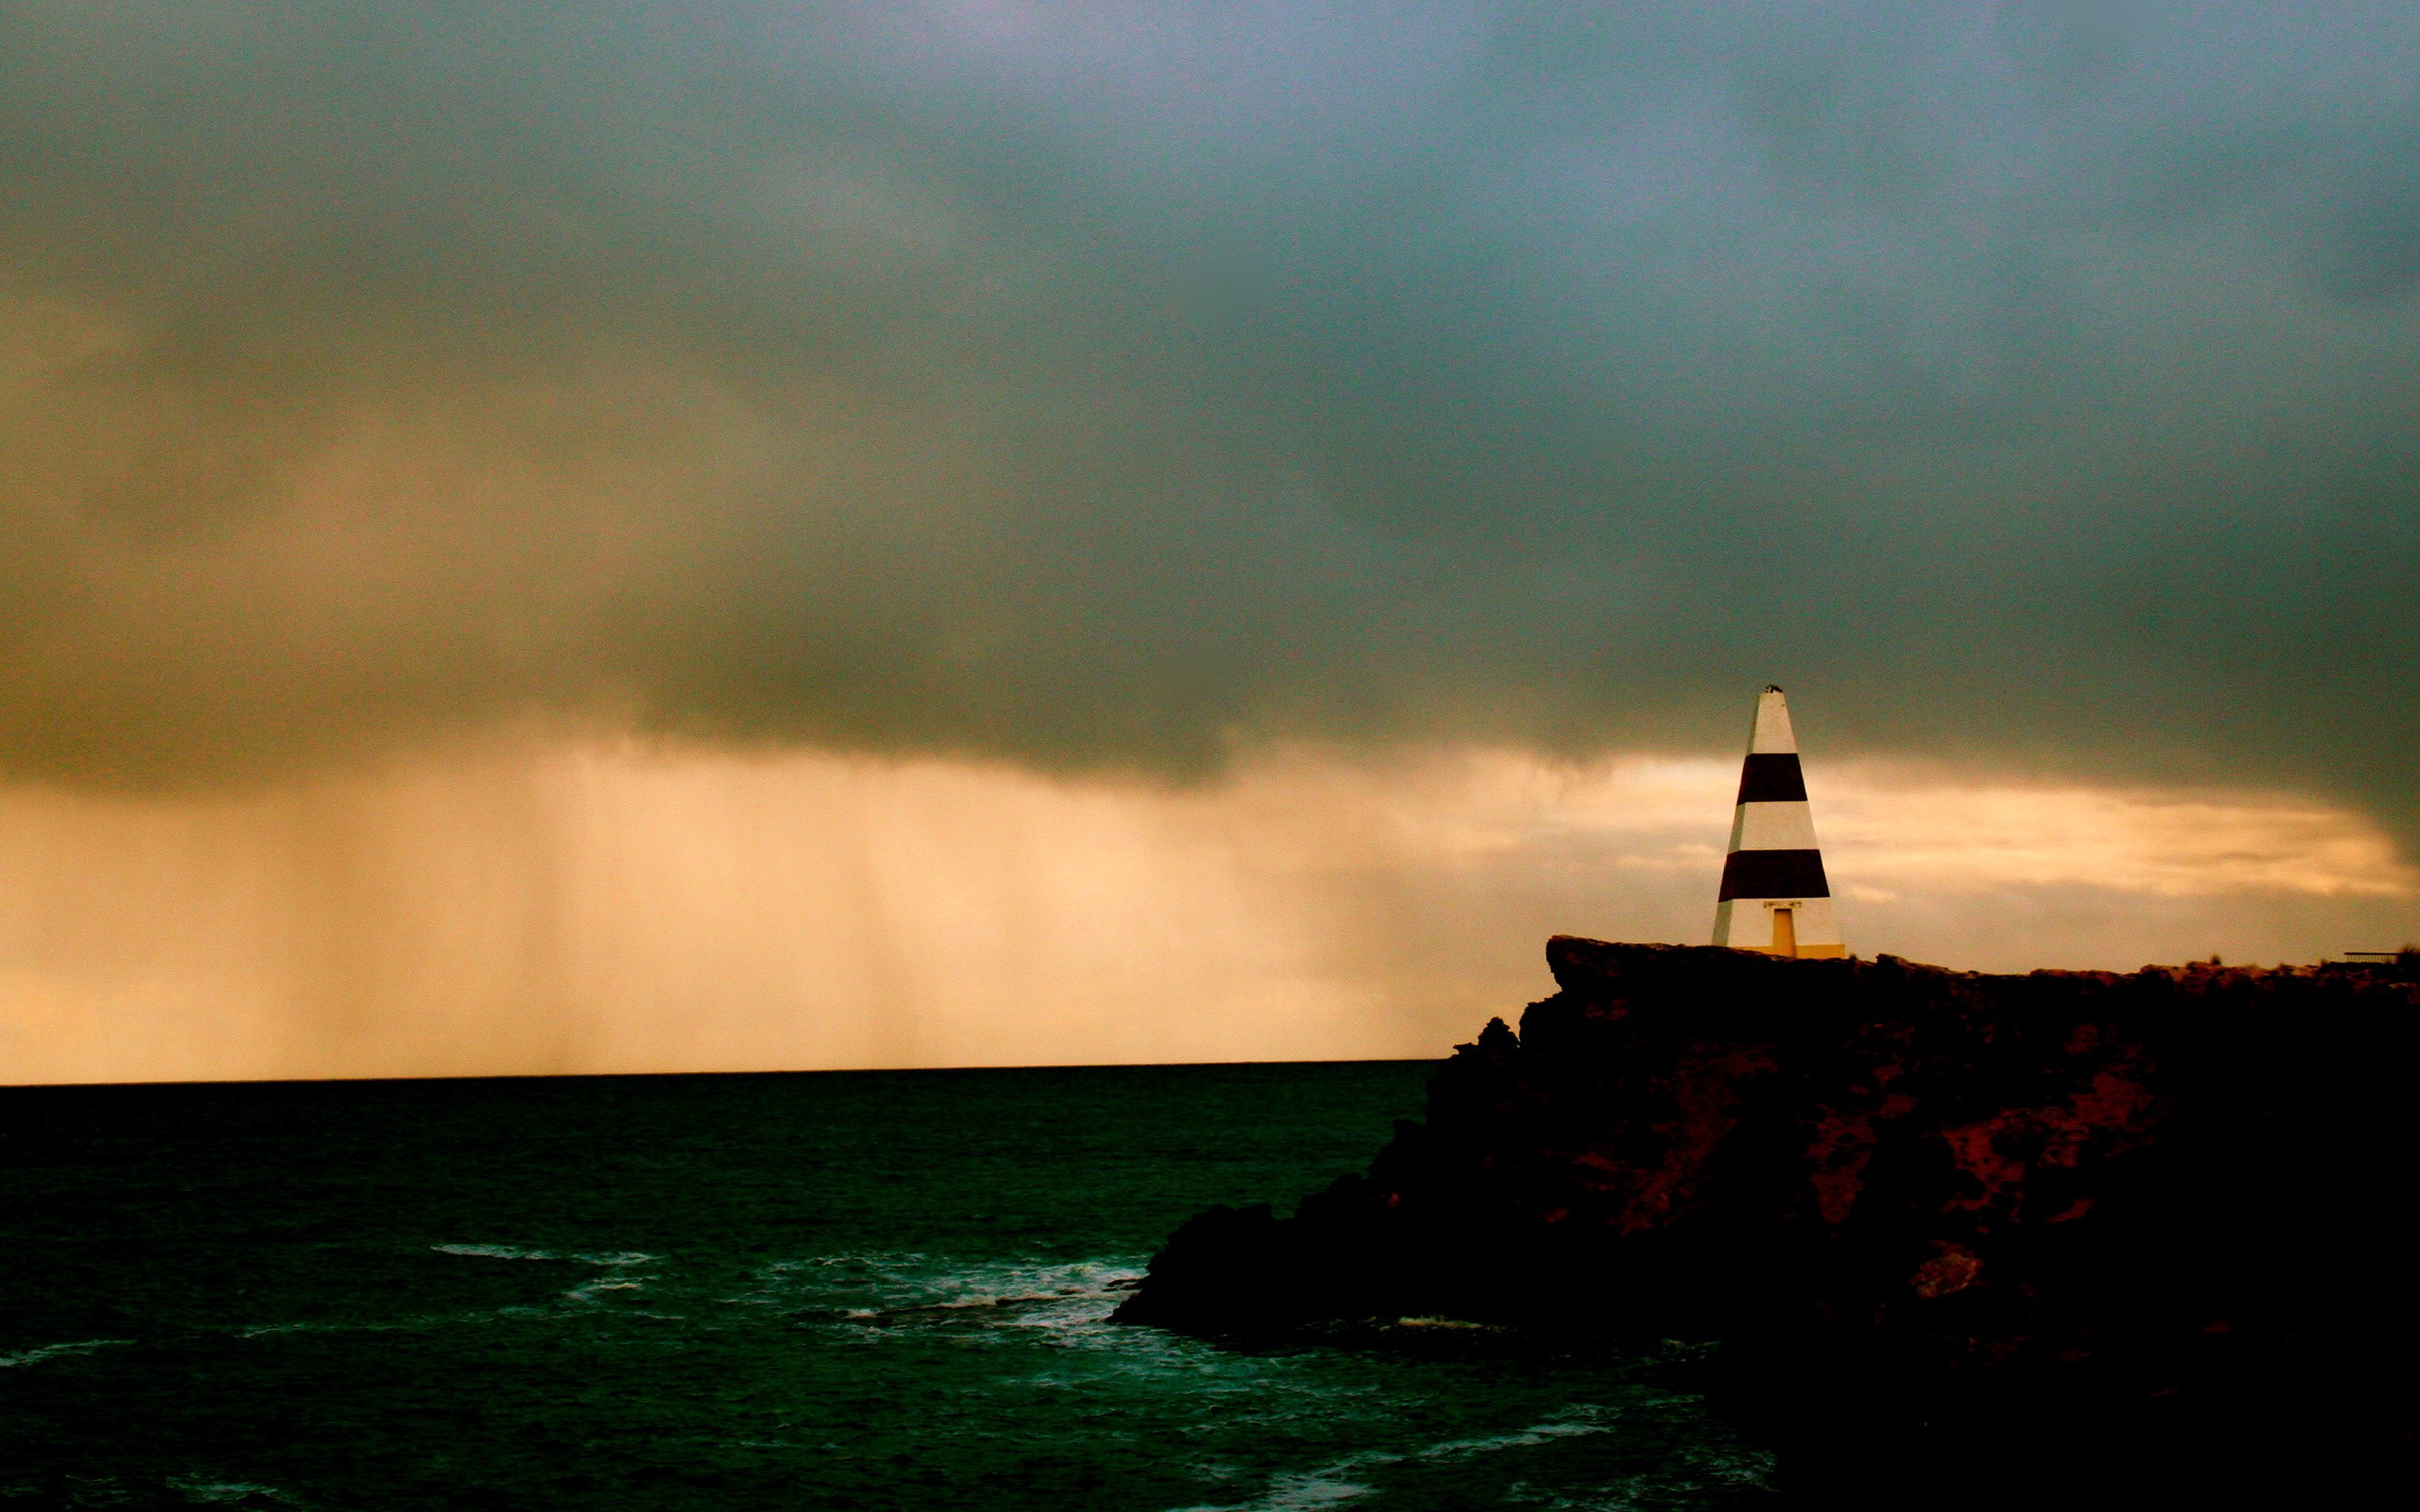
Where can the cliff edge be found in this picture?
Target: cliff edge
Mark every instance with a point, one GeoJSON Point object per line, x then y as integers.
{"type": "Point", "coordinates": [1962, 1239]}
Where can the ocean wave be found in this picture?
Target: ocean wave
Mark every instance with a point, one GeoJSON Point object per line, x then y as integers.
{"type": "Point", "coordinates": [1338, 1482]}
{"type": "Point", "coordinates": [618, 1259]}
{"type": "Point", "coordinates": [418, 1323]}
{"type": "Point", "coordinates": [196, 1489]}
{"type": "Point", "coordinates": [495, 1253]}
{"type": "Point", "coordinates": [1331, 1485]}
{"type": "Point", "coordinates": [890, 1290]}
{"type": "Point", "coordinates": [53, 1351]}
{"type": "Point", "coordinates": [1579, 1421]}
{"type": "Point", "coordinates": [593, 1291]}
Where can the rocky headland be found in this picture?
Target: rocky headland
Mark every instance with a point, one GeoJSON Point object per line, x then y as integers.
{"type": "Point", "coordinates": [1961, 1240]}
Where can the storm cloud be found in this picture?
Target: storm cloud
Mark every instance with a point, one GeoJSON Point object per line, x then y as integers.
{"type": "Point", "coordinates": [1108, 391]}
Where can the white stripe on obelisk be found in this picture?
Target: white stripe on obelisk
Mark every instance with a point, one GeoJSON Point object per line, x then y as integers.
{"type": "Point", "coordinates": [1773, 827]}
{"type": "Point", "coordinates": [1772, 736]}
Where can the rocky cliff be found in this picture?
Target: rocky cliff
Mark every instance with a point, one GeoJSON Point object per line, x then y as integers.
{"type": "Point", "coordinates": [1961, 1238]}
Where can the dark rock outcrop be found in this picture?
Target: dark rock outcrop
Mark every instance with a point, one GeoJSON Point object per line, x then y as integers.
{"type": "Point", "coordinates": [1964, 1239]}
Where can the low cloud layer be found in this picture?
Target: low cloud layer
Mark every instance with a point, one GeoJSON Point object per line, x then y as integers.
{"type": "Point", "coordinates": [2028, 383]}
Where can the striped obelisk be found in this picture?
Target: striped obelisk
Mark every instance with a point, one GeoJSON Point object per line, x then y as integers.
{"type": "Point", "coordinates": [1773, 896]}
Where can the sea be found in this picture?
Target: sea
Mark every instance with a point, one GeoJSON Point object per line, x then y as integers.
{"type": "Point", "coordinates": [832, 1290]}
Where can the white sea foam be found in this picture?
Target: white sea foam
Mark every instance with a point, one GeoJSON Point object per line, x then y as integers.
{"type": "Point", "coordinates": [262, 1330]}
{"type": "Point", "coordinates": [52, 1351]}
{"type": "Point", "coordinates": [494, 1252]}
{"type": "Point", "coordinates": [900, 1288]}
{"type": "Point", "coordinates": [1323, 1487]}
{"type": "Point", "coordinates": [617, 1264]}
{"type": "Point", "coordinates": [592, 1290]}
{"type": "Point", "coordinates": [615, 1280]}
{"type": "Point", "coordinates": [618, 1259]}
{"type": "Point", "coordinates": [198, 1489]}
{"type": "Point", "coordinates": [1338, 1483]}
{"type": "Point", "coordinates": [1330, 1485]}
{"type": "Point", "coordinates": [1578, 1421]}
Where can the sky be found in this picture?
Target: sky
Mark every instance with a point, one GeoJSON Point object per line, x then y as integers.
{"type": "Point", "coordinates": [719, 536]}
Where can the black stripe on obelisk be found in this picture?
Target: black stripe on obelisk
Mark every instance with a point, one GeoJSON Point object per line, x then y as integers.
{"type": "Point", "coordinates": [1773, 874]}
{"type": "Point", "coordinates": [1772, 779]}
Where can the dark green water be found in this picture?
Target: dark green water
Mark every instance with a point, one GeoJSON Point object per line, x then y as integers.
{"type": "Point", "coordinates": [733, 1292]}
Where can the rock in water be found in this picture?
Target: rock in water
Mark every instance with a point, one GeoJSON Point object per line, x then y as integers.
{"type": "Point", "coordinates": [1964, 1239]}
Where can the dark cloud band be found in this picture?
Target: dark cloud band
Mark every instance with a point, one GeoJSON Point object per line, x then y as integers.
{"type": "Point", "coordinates": [1086, 388]}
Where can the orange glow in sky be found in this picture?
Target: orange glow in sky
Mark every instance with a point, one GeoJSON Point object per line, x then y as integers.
{"type": "Point", "coordinates": [592, 907]}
